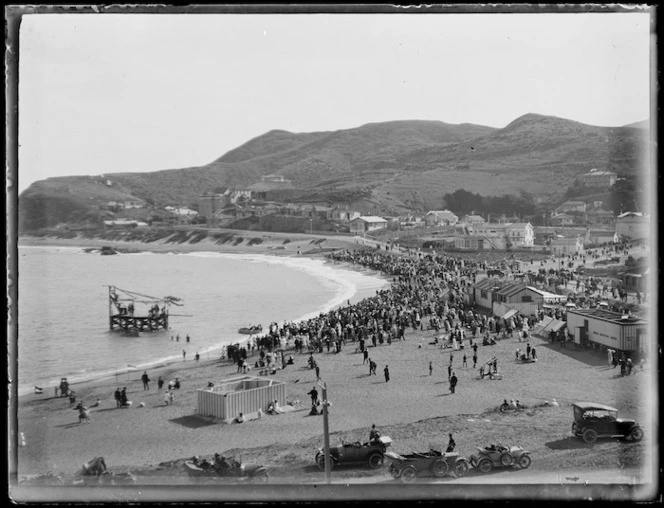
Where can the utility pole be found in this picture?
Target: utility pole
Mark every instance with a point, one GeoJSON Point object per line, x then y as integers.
{"type": "Point", "coordinates": [326, 432]}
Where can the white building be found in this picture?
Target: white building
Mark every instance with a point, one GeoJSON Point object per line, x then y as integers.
{"type": "Point", "coordinates": [610, 329]}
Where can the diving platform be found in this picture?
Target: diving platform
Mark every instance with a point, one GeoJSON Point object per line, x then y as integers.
{"type": "Point", "coordinates": [123, 315]}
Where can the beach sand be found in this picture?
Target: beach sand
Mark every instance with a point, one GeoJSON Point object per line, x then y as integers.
{"type": "Point", "coordinates": [414, 408]}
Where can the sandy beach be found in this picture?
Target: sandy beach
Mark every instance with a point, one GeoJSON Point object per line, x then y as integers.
{"type": "Point", "coordinates": [415, 408]}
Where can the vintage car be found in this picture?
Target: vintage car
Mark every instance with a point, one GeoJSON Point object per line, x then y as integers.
{"type": "Point", "coordinates": [221, 467]}
{"type": "Point", "coordinates": [432, 463]}
{"type": "Point", "coordinates": [592, 421]}
{"type": "Point", "coordinates": [491, 456]}
{"type": "Point", "coordinates": [354, 453]}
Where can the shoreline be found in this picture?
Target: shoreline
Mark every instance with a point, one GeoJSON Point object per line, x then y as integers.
{"type": "Point", "coordinates": [214, 351]}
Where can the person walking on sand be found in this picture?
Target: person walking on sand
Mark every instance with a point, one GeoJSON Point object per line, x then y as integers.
{"type": "Point", "coordinates": [184, 355]}
{"type": "Point", "coordinates": [314, 396]}
{"type": "Point", "coordinates": [465, 360]}
{"type": "Point", "coordinates": [474, 360]}
{"type": "Point", "coordinates": [449, 371]}
{"type": "Point", "coordinates": [453, 382]}
{"type": "Point", "coordinates": [387, 373]}
{"type": "Point", "coordinates": [118, 397]}
{"type": "Point", "coordinates": [146, 380]}
{"type": "Point", "coordinates": [317, 372]}
{"type": "Point", "coordinates": [366, 356]}
{"type": "Point", "coordinates": [160, 384]}
{"type": "Point", "coordinates": [372, 367]}
{"type": "Point", "coordinates": [430, 368]}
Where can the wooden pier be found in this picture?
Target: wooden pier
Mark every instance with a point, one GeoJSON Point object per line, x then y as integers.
{"type": "Point", "coordinates": [122, 315]}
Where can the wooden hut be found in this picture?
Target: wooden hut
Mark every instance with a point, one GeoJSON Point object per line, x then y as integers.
{"type": "Point", "coordinates": [242, 394]}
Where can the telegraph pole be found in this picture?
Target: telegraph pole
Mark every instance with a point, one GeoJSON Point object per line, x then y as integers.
{"type": "Point", "coordinates": [326, 432]}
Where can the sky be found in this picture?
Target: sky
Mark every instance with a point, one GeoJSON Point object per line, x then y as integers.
{"type": "Point", "coordinates": [106, 93]}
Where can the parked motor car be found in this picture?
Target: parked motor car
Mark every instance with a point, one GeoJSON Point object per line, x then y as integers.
{"type": "Point", "coordinates": [491, 456]}
{"type": "Point", "coordinates": [592, 421]}
{"type": "Point", "coordinates": [372, 454]}
{"type": "Point", "coordinates": [432, 463]}
{"type": "Point", "coordinates": [221, 467]}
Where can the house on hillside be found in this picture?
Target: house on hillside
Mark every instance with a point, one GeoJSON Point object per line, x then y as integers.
{"type": "Point", "coordinates": [210, 204]}
{"type": "Point", "coordinates": [367, 224]}
{"type": "Point", "coordinates": [274, 179]}
{"type": "Point", "coordinates": [272, 190]}
{"type": "Point", "coordinates": [561, 219]}
{"type": "Point", "coordinates": [440, 218]}
{"type": "Point", "coordinates": [572, 206]}
{"type": "Point", "coordinates": [632, 225]}
{"type": "Point", "coordinates": [599, 217]}
{"type": "Point", "coordinates": [472, 219]}
{"type": "Point", "coordinates": [599, 179]}
{"type": "Point", "coordinates": [343, 214]}
{"type": "Point", "coordinates": [567, 245]}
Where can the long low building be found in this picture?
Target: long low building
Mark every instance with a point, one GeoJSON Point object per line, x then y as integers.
{"type": "Point", "coordinates": [610, 329]}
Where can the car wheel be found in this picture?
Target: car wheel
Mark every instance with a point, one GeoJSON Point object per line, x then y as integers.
{"type": "Point", "coordinates": [506, 459]}
{"type": "Point", "coordinates": [375, 460]}
{"type": "Point", "coordinates": [408, 474]}
{"type": "Point", "coordinates": [321, 463]}
{"type": "Point", "coordinates": [636, 434]}
{"type": "Point", "coordinates": [439, 467]}
{"type": "Point", "coordinates": [524, 461]}
{"type": "Point", "coordinates": [485, 466]}
{"type": "Point", "coordinates": [395, 472]}
{"type": "Point", "coordinates": [590, 435]}
{"type": "Point", "coordinates": [461, 468]}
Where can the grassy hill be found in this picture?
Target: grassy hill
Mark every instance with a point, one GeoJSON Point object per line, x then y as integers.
{"type": "Point", "coordinates": [389, 167]}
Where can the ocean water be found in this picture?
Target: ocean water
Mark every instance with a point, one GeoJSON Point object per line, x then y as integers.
{"type": "Point", "coordinates": [63, 311]}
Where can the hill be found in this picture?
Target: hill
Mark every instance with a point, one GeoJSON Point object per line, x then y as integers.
{"type": "Point", "coordinates": [391, 166]}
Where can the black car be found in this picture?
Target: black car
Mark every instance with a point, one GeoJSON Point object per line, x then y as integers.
{"type": "Point", "coordinates": [372, 454]}
{"type": "Point", "coordinates": [592, 421]}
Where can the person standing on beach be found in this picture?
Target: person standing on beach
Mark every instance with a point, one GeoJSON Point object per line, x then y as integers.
{"type": "Point", "coordinates": [146, 380]}
{"type": "Point", "coordinates": [453, 382]}
{"type": "Point", "coordinates": [465, 362]}
{"type": "Point", "coordinates": [372, 367]}
{"type": "Point", "coordinates": [449, 371]}
{"type": "Point", "coordinates": [184, 355]}
{"type": "Point", "coordinates": [474, 360]}
{"type": "Point", "coordinates": [387, 373]}
{"type": "Point", "coordinates": [366, 356]}
{"type": "Point", "coordinates": [160, 384]}
{"type": "Point", "coordinates": [430, 368]}
{"type": "Point", "coordinates": [187, 337]}
{"type": "Point", "coordinates": [314, 396]}
{"type": "Point", "coordinates": [118, 397]}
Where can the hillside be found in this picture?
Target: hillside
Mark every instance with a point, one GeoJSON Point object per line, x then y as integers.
{"type": "Point", "coordinates": [393, 166]}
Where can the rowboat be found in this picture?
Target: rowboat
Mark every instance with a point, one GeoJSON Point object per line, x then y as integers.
{"type": "Point", "coordinates": [250, 330]}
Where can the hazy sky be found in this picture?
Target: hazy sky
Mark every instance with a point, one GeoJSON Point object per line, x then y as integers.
{"type": "Point", "coordinates": [114, 93]}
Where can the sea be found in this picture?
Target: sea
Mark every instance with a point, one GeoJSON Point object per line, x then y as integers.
{"type": "Point", "coordinates": [63, 306]}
